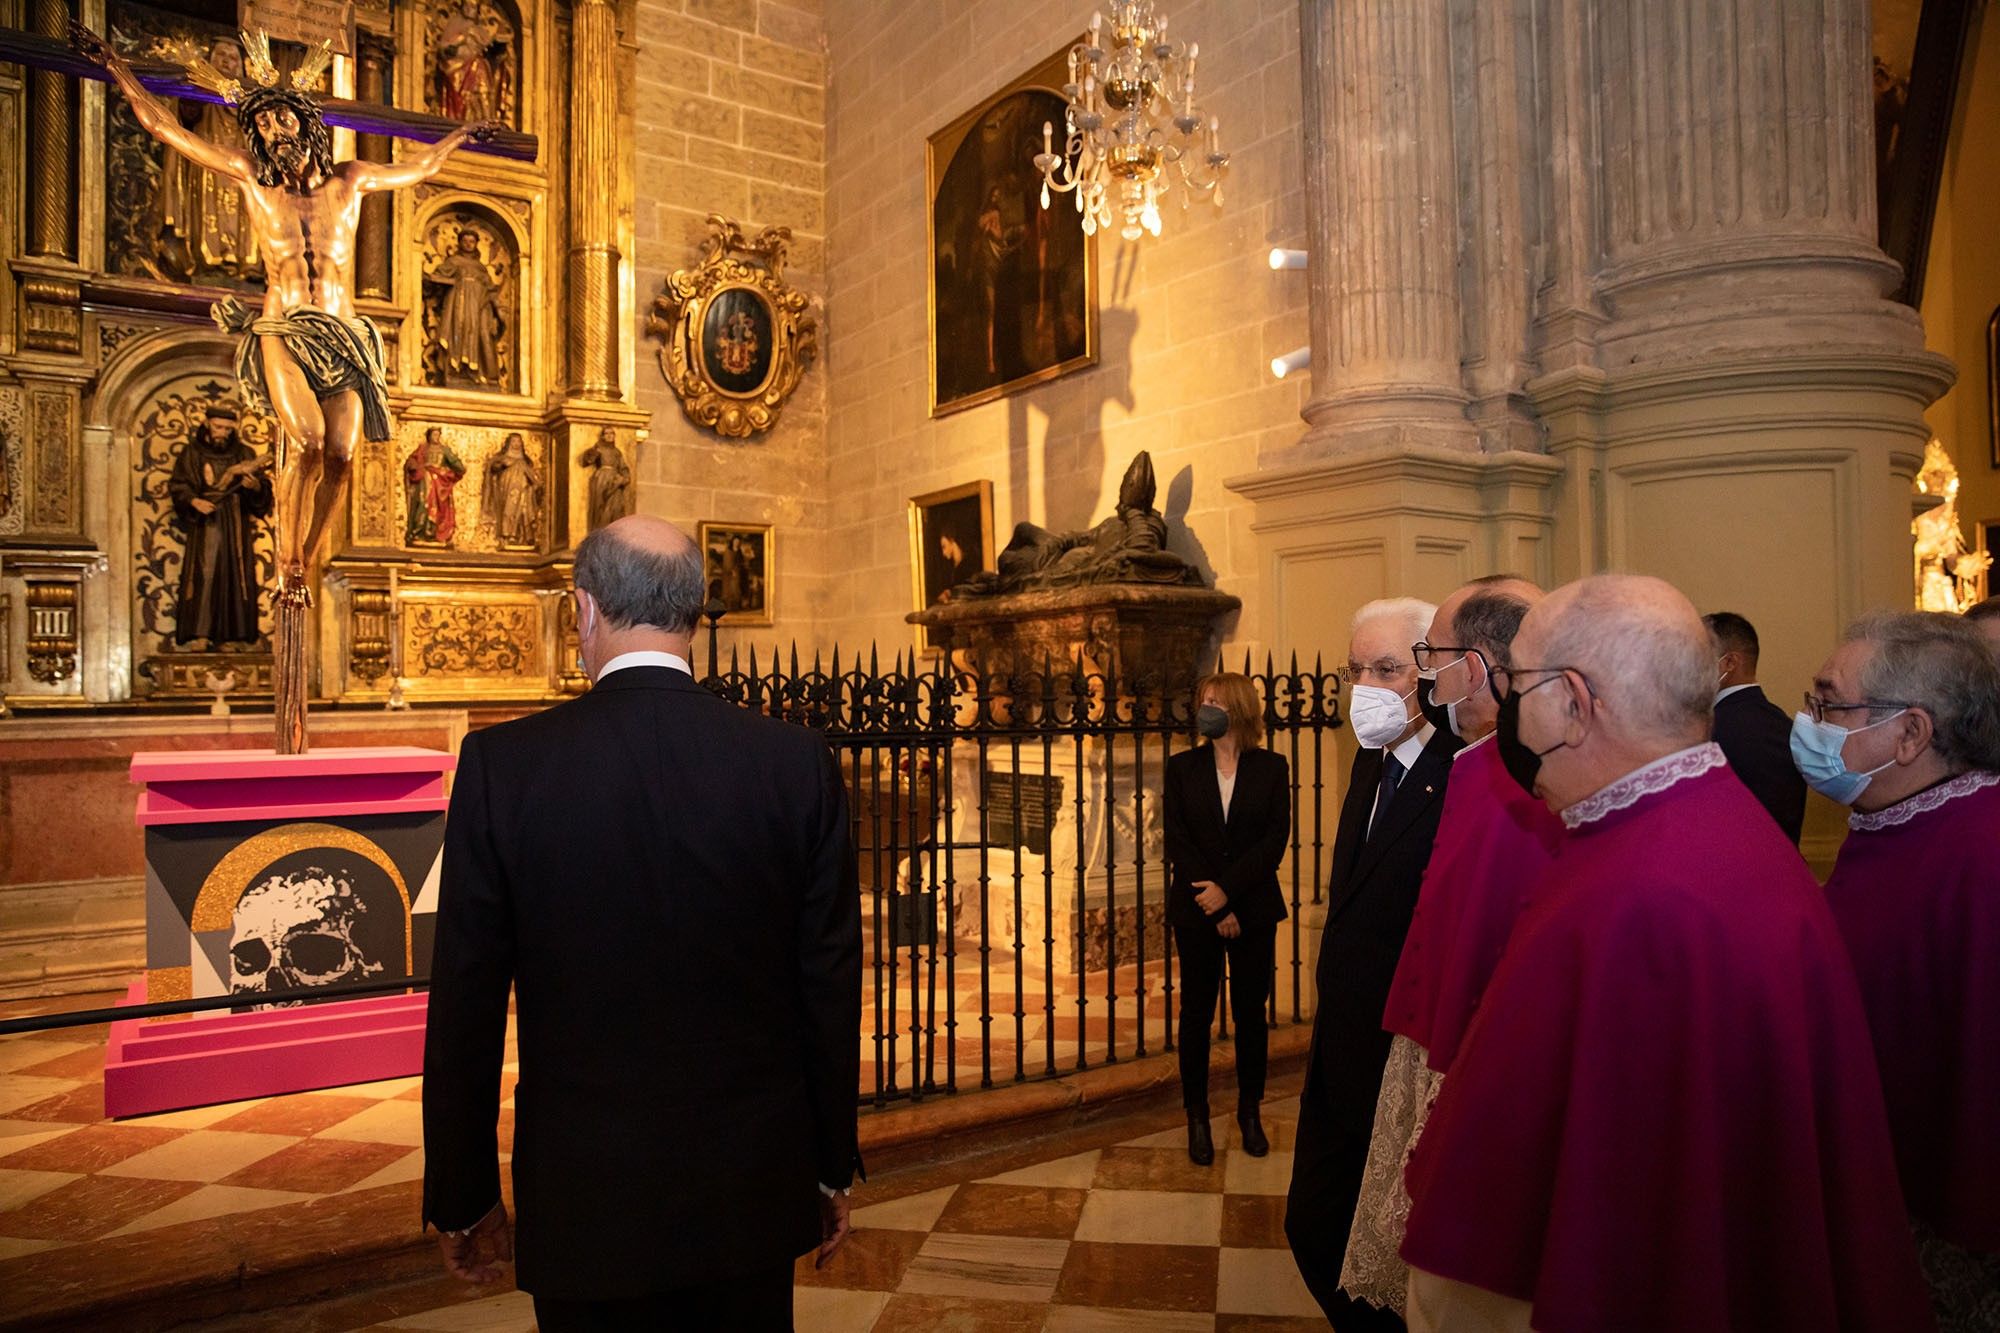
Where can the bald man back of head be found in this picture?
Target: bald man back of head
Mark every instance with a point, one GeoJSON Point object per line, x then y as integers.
{"type": "Point", "coordinates": [1643, 648]}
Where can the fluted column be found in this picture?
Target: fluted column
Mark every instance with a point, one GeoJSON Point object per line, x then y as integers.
{"type": "Point", "coordinates": [1381, 212]}
{"type": "Point", "coordinates": [1737, 194]}
{"type": "Point", "coordinates": [371, 243]}
{"type": "Point", "coordinates": [52, 184]}
{"type": "Point", "coordinates": [594, 317]}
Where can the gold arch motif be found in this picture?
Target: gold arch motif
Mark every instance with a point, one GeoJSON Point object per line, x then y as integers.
{"type": "Point", "coordinates": [215, 905]}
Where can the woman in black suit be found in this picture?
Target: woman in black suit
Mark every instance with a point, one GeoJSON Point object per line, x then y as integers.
{"type": "Point", "coordinates": [1228, 816]}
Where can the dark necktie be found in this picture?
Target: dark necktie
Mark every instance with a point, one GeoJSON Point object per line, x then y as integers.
{"type": "Point", "coordinates": [1385, 792]}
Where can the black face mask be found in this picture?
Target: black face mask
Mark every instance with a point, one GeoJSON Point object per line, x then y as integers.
{"type": "Point", "coordinates": [1523, 764]}
{"type": "Point", "coordinates": [1434, 713]}
{"type": "Point", "coordinates": [1211, 722]}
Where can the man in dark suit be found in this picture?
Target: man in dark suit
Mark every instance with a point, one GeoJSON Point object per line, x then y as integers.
{"type": "Point", "coordinates": [1754, 733]}
{"type": "Point", "coordinates": [667, 884]}
{"type": "Point", "coordinates": [1388, 820]}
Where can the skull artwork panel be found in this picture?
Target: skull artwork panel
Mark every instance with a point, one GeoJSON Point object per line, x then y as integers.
{"type": "Point", "coordinates": [298, 930]}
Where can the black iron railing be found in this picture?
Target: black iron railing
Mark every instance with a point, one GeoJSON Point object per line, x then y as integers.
{"type": "Point", "coordinates": [1008, 834]}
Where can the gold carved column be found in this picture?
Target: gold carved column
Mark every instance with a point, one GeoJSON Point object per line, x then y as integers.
{"type": "Point", "coordinates": [371, 243]}
{"type": "Point", "coordinates": [595, 321]}
{"type": "Point", "coordinates": [52, 186]}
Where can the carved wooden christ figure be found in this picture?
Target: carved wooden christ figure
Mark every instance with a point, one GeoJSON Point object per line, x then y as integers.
{"type": "Point", "coordinates": [219, 491]}
{"type": "Point", "coordinates": [430, 480]}
{"type": "Point", "coordinates": [307, 355]}
{"type": "Point", "coordinates": [513, 495]}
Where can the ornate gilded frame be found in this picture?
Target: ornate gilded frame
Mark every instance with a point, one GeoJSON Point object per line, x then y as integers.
{"type": "Point", "coordinates": [1048, 77]}
{"type": "Point", "coordinates": [731, 263]}
{"type": "Point", "coordinates": [762, 533]}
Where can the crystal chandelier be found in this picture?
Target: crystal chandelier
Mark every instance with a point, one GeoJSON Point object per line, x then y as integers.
{"type": "Point", "coordinates": [1131, 126]}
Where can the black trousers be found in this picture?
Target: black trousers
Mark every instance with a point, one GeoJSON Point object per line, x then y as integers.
{"type": "Point", "coordinates": [759, 1302]}
{"type": "Point", "coordinates": [1201, 952]}
{"type": "Point", "coordinates": [1328, 1161]}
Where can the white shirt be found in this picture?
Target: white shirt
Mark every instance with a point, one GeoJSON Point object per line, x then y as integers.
{"type": "Point", "coordinates": [1227, 782]}
{"type": "Point", "coordinates": [623, 660]}
{"type": "Point", "coordinates": [1724, 694]}
{"type": "Point", "coordinates": [1407, 754]}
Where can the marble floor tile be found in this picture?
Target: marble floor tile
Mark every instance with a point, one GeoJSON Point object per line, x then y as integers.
{"type": "Point", "coordinates": [909, 1313]}
{"type": "Point", "coordinates": [205, 1155]}
{"type": "Point", "coordinates": [410, 1166]}
{"type": "Point", "coordinates": [1262, 1282]}
{"type": "Point", "coordinates": [319, 1166]}
{"type": "Point", "coordinates": [869, 1261]}
{"type": "Point", "coordinates": [20, 1092]}
{"type": "Point", "coordinates": [90, 1206]}
{"type": "Point", "coordinates": [512, 1313]}
{"type": "Point", "coordinates": [381, 1090]}
{"type": "Point", "coordinates": [1073, 1172]}
{"type": "Point", "coordinates": [384, 1122]}
{"type": "Point", "coordinates": [18, 1053]}
{"type": "Point", "coordinates": [306, 1113]}
{"type": "Point", "coordinates": [212, 1201]}
{"type": "Point", "coordinates": [18, 1134]}
{"type": "Point", "coordinates": [1155, 1169]}
{"type": "Point", "coordinates": [1254, 1221]}
{"type": "Point", "coordinates": [1005, 1268]}
{"type": "Point", "coordinates": [1014, 1210]}
{"type": "Point", "coordinates": [76, 1063]}
{"type": "Point", "coordinates": [91, 1148]}
{"type": "Point", "coordinates": [1271, 1323]}
{"type": "Point", "coordinates": [830, 1310]}
{"type": "Point", "coordinates": [17, 1187]}
{"type": "Point", "coordinates": [196, 1117]}
{"type": "Point", "coordinates": [1244, 1174]}
{"type": "Point", "coordinates": [1093, 1319]}
{"type": "Point", "coordinates": [915, 1212]}
{"type": "Point", "coordinates": [16, 1249]}
{"type": "Point", "coordinates": [1151, 1217]}
{"type": "Point", "coordinates": [1139, 1277]}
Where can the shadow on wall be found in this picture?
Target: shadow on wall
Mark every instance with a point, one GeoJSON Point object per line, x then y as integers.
{"type": "Point", "coordinates": [1073, 443]}
{"type": "Point", "coordinates": [1180, 537]}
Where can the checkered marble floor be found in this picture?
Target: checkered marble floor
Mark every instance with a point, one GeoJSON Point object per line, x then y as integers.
{"type": "Point", "coordinates": [1128, 1236]}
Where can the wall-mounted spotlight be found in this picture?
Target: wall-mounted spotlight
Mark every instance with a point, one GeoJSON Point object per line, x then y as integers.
{"type": "Point", "coordinates": [1295, 360]}
{"type": "Point", "coordinates": [1282, 259]}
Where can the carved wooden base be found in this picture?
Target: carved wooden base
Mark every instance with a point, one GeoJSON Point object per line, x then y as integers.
{"type": "Point", "coordinates": [185, 675]}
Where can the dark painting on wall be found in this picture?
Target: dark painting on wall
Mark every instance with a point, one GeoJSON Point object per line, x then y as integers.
{"type": "Point", "coordinates": [951, 539]}
{"type": "Point", "coordinates": [736, 341]}
{"type": "Point", "coordinates": [736, 559]}
{"type": "Point", "coordinates": [1013, 284]}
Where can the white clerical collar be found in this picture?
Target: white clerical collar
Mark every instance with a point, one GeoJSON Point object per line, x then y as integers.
{"type": "Point", "coordinates": [1903, 811]}
{"type": "Point", "coordinates": [1657, 776]}
{"type": "Point", "coordinates": [643, 659]}
{"type": "Point", "coordinates": [1412, 749]}
{"type": "Point", "coordinates": [1733, 689]}
{"type": "Point", "coordinates": [1470, 746]}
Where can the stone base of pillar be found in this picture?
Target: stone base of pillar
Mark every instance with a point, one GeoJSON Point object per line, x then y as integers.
{"type": "Point", "coordinates": [1391, 521]}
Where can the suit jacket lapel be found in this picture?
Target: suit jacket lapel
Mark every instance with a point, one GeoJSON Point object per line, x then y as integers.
{"type": "Point", "coordinates": [1414, 794]}
{"type": "Point", "coordinates": [1362, 778]}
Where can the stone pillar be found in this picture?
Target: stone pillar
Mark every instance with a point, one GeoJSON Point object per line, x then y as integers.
{"type": "Point", "coordinates": [594, 261]}
{"type": "Point", "coordinates": [371, 243]}
{"type": "Point", "coordinates": [52, 147]}
{"type": "Point", "coordinates": [1381, 212]}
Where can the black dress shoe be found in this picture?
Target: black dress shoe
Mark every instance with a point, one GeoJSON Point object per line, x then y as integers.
{"type": "Point", "coordinates": [1201, 1144]}
{"type": "Point", "coordinates": [1254, 1141]}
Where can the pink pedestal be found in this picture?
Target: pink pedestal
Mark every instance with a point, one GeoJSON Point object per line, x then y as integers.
{"type": "Point", "coordinates": [160, 1065]}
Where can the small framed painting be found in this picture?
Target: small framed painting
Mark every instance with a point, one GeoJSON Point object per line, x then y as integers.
{"type": "Point", "coordinates": [736, 560]}
{"type": "Point", "coordinates": [951, 539]}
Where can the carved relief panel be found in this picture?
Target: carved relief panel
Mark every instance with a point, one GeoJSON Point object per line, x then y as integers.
{"type": "Point", "coordinates": [13, 465]}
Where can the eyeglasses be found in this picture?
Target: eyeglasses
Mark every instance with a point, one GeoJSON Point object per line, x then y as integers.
{"type": "Point", "coordinates": [1819, 707]}
{"type": "Point", "coordinates": [1386, 669]}
{"type": "Point", "coordinates": [1437, 656]}
{"type": "Point", "coordinates": [1500, 682]}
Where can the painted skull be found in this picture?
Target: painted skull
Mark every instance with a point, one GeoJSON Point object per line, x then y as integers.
{"type": "Point", "coordinates": [294, 931]}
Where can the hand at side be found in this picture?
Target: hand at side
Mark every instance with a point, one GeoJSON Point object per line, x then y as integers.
{"type": "Point", "coordinates": [835, 1225]}
{"type": "Point", "coordinates": [477, 1255]}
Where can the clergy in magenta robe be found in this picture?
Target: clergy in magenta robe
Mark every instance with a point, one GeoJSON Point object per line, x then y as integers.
{"type": "Point", "coordinates": [1665, 1116]}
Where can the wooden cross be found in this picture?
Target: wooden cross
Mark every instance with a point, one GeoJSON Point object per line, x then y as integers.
{"type": "Point", "coordinates": [170, 80]}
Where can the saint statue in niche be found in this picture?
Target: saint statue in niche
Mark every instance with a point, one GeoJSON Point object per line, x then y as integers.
{"type": "Point", "coordinates": [471, 66]}
{"type": "Point", "coordinates": [219, 490]}
{"type": "Point", "coordinates": [610, 480]}
{"type": "Point", "coordinates": [203, 229]}
{"type": "Point", "coordinates": [513, 495]}
{"type": "Point", "coordinates": [467, 338]}
{"type": "Point", "coordinates": [430, 477]}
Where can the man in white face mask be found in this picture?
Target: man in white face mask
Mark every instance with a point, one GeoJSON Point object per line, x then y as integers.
{"type": "Point", "coordinates": [1903, 724]}
{"type": "Point", "coordinates": [1395, 793]}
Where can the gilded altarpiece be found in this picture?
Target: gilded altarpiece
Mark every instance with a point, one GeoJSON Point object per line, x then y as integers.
{"type": "Point", "coordinates": [473, 281]}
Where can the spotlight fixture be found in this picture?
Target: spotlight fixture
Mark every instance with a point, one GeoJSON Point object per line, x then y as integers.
{"type": "Point", "coordinates": [1283, 259]}
{"type": "Point", "coordinates": [1295, 360]}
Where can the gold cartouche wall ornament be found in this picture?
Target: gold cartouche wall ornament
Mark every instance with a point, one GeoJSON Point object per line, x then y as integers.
{"type": "Point", "coordinates": [736, 337]}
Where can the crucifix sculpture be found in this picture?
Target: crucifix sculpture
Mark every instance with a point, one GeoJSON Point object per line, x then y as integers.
{"type": "Point", "coordinates": [306, 357]}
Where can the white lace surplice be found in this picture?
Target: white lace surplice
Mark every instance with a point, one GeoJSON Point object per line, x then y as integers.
{"type": "Point", "coordinates": [1373, 1271]}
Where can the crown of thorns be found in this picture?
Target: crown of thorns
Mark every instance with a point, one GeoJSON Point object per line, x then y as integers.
{"type": "Point", "coordinates": [257, 63]}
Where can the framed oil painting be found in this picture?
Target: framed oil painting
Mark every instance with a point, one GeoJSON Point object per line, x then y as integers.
{"type": "Point", "coordinates": [736, 561]}
{"type": "Point", "coordinates": [736, 341]}
{"type": "Point", "coordinates": [1013, 284]}
{"type": "Point", "coordinates": [951, 539]}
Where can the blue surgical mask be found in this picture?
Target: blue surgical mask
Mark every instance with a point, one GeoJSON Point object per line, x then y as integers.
{"type": "Point", "coordinates": [1818, 753]}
